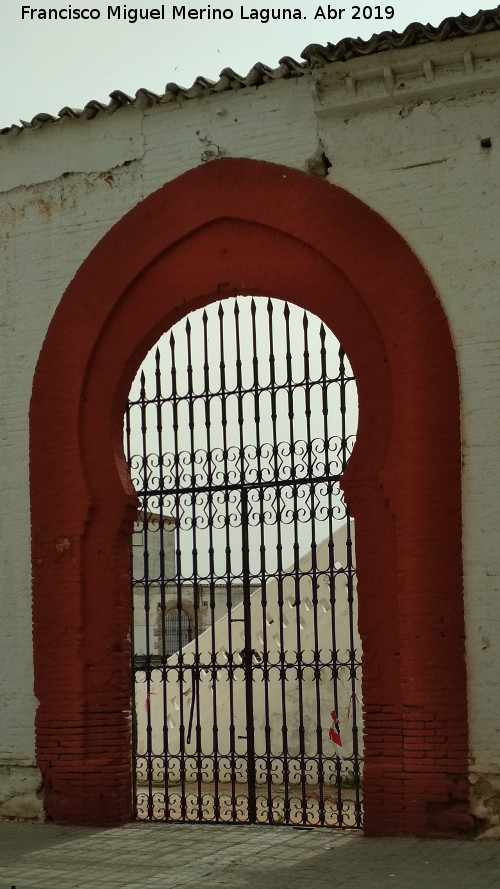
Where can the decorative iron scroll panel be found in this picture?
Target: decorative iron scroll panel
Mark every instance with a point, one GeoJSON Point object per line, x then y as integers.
{"type": "Point", "coordinates": [246, 658]}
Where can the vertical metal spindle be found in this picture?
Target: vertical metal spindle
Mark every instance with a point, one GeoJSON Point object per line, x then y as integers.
{"type": "Point", "coordinates": [228, 566]}
{"type": "Point", "coordinates": [207, 398]}
{"type": "Point", "coordinates": [281, 667]}
{"type": "Point", "coordinates": [324, 671]}
{"type": "Point", "coordinates": [315, 760]}
{"type": "Point", "coordinates": [178, 666]}
{"type": "Point", "coordinates": [263, 666]}
{"type": "Point", "coordinates": [245, 576]}
{"type": "Point", "coordinates": [333, 473]}
{"type": "Point", "coordinates": [145, 513]}
{"type": "Point", "coordinates": [350, 596]}
{"type": "Point", "coordinates": [343, 408]}
{"type": "Point", "coordinates": [159, 401]}
{"type": "Point", "coordinates": [194, 556]}
{"type": "Point", "coordinates": [296, 557]}
{"type": "Point", "coordinates": [133, 697]}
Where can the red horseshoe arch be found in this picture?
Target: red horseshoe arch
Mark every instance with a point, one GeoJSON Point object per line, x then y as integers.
{"type": "Point", "coordinates": [240, 226]}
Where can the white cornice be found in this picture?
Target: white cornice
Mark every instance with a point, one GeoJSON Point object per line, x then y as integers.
{"type": "Point", "coordinates": [457, 68]}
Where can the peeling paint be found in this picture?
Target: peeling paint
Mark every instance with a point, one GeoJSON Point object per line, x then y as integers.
{"type": "Point", "coordinates": [21, 794]}
{"type": "Point", "coordinates": [319, 164]}
{"type": "Point", "coordinates": [485, 804]}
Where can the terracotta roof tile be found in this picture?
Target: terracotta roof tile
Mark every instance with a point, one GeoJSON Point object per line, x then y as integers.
{"type": "Point", "coordinates": [414, 34]}
{"type": "Point", "coordinates": [314, 55]}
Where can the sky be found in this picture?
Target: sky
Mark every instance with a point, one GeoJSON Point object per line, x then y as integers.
{"type": "Point", "coordinates": [324, 389]}
{"type": "Point", "coordinates": [47, 64]}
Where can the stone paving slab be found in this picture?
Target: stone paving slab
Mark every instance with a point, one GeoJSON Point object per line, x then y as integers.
{"type": "Point", "coordinates": [178, 856]}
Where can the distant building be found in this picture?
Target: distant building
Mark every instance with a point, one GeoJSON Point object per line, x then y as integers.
{"type": "Point", "coordinates": [173, 611]}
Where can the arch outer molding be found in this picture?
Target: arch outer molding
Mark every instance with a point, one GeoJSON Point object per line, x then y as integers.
{"type": "Point", "coordinates": [239, 226]}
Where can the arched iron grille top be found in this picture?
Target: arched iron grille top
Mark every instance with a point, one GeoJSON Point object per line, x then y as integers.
{"type": "Point", "coordinates": [236, 434]}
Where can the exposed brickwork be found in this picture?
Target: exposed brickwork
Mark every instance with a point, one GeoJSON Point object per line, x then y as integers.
{"type": "Point", "coordinates": [241, 226]}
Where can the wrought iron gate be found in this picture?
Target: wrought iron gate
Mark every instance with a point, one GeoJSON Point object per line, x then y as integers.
{"type": "Point", "coordinates": [246, 657]}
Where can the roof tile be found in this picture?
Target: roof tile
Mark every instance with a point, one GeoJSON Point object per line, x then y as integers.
{"type": "Point", "coordinates": [314, 55]}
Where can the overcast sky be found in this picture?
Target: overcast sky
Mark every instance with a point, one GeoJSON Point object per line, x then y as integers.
{"type": "Point", "coordinates": [46, 64]}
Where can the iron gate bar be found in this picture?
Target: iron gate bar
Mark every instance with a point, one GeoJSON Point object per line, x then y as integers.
{"type": "Point", "coordinates": [149, 746]}
{"type": "Point", "coordinates": [133, 702]}
{"type": "Point", "coordinates": [296, 555]}
{"type": "Point", "coordinates": [159, 427]}
{"type": "Point", "coordinates": [262, 566]}
{"type": "Point", "coordinates": [245, 570]}
{"type": "Point", "coordinates": [319, 726]}
{"type": "Point", "coordinates": [194, 555]}
{"type": "Point", "coordinates": [229, 604]}
{"type": "Point", "coordinates": [260, 486]}
{"type": "Point", "coordinates": [178, 576]}
{"type": "Point", "coordinates": [279, 567]}
{"type": "Point", "coordinates": [211, 549]}
{"type": "Point", "coordinates": [350, 592]}
{"type": "Point", "coordinates": [280, 482]}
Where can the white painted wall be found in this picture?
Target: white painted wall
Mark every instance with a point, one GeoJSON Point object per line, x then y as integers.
{"type": "Point", "coordinates": [402, 130]}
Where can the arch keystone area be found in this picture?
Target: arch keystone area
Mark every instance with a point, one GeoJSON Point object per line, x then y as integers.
{"type": "Point", "coordinates": [239, 226]}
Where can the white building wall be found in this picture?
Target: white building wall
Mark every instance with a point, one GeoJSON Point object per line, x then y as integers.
{"type": "Point", "coordinates": [400, 129]}
{"type": "Point", "coordinates": [425, 171]}
{"type": "Point", "coordinates": [164, 589]}
{"type": "Point", "coordinates": [274, 632]}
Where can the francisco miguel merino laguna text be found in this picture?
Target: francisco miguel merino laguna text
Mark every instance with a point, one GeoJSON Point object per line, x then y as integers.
{"type": "Point", "coordinates": [124, 13]}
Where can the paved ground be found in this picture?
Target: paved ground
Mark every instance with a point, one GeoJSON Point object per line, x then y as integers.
{"type": "Point", "coordinates": [149, 856]}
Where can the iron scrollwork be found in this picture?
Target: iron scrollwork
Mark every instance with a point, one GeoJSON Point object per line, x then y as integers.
{"type": "Point", "coordinates": [236, 435]}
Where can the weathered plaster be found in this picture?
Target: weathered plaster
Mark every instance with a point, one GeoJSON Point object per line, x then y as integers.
{"type": "Point", "coordinates": [21, 793]}
{"type": "Point", "coordinates": [403, 130]}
